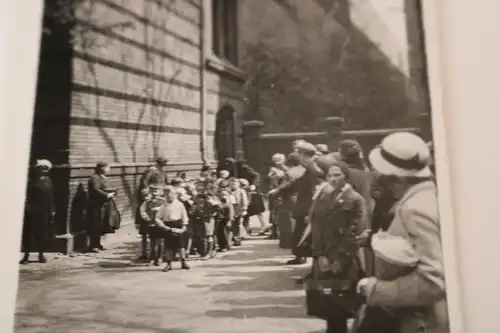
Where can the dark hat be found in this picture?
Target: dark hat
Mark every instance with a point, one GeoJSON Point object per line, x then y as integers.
{"type": "Point", "coordinates": [176, 181]}
{"type": "Point", "coordinates": [350, 147]}
{"type": "Point", "coordinates": [101, 164]}
{"type": "Point", "coordinates": [162, 160]}
{"type": "Point", "coordinates": [293, 159]}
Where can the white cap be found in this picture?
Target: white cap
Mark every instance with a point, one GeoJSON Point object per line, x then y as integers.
{"type": "Point", "coordinates": [402, 154]}
{"type": "Point", "coordinates": [44, 163]}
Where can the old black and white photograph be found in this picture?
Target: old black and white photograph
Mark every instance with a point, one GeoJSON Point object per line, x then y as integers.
{"type": "Point", "coordinates": [231, 166]}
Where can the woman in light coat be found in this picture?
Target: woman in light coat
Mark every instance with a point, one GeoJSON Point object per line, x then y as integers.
{"type": "Point", "coordinates": [417, 299]}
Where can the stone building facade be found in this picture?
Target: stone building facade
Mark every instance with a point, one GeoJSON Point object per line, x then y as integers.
{"type": "Point", "coordinates": [124, 81]}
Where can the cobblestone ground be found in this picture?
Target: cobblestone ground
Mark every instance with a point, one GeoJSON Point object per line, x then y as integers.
{"type": "Point", "coordinates": [245, 290]}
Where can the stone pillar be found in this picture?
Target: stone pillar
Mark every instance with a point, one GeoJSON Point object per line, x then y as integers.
{"type": "Point", "coordinates": [425, 125]}
{"type": "Point", "coordinates": [251, 143]}
{"type": "Point", "coordinates": [333, 129]}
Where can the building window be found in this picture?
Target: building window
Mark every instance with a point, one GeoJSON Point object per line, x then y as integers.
{"type": "Point", "coordinates": [225, 32]}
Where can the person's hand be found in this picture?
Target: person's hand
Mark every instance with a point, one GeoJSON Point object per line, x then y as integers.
{"type": "Point", "coordinates": [324, 264]}
{"type": "Point", "coordinates": [252, 188]}
{"type": "Point", "coordinates": [336, 267]}
{"type": "Point", "coordinates": [307, 220]}
{"type": "Point", "coordinates": [272, 192]}
{"type": "Point", "coordinates": [244, 213]}
{"type": "Point", "coordinates": [110, 195]}
{"type": "Point", "coordinates": [363, 239]}
{"type": "Point", "coordinates": [365, 286]}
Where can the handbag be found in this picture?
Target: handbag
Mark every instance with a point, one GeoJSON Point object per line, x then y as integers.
{"type": "Point", "coordinates": [326, 296]}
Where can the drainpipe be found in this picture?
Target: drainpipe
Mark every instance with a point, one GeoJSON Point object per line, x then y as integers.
{"type": "Point", "coordinates": [205, 9]}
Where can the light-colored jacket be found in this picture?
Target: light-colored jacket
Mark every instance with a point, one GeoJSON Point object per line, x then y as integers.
{"type": "Point", "coordinates": [240, 201]}
{"type": "Point", "coordinates": [419, 298]}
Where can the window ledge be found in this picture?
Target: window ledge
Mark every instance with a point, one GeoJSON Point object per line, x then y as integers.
{"type": "Point", "coordinates": [223, 67]}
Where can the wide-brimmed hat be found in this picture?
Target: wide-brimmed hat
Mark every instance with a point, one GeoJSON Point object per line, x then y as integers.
{"type": "Point", "coordinates": [43, 163]}
{"type": "Point", "coordinates": [401, 154]}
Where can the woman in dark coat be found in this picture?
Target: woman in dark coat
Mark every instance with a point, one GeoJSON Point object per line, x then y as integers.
{"type": "Point", "coordinates": [102, 215]}
{"type": "Point", "coordinates": [39, 212]}
{"type": "Point", "coordinates": [336, 223]}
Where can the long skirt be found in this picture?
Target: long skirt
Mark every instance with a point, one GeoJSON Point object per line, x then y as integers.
{"type": "Point", "coordinates": [256, 205]}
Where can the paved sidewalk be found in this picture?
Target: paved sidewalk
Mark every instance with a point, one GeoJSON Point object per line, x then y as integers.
{"type": "Point", "coordinates": [242, 291]}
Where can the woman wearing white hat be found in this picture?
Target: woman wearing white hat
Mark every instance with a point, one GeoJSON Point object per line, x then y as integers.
{"type": "Point", "coordinates": [418, 297]}
{"type": "Point", "coordinates": [40, 211]}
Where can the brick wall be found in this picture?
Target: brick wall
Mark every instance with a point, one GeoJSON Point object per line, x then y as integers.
{"type": "Point", "coordinates": [134, 91]}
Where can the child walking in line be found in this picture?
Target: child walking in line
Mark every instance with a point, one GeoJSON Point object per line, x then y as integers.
{"type": "Point", "coordinates": [188, 203]}
{"type": "Point", "coordinates": [153, 201]}
{"type": "Point", "coordinates": [171, 221]}
{"type": "Point", "coordinates": [240, 209]}
{"type": "Point", "coordinates": [245, 231]}
{"type": "Point", "coordinates": [223, 221]}
{"type": "Point", "coordinates": [142, 225]}
{"type": "Point", "coordinates": [206, 205]}
{"type": "Point", "coordinates": [191, 191]}
{"type": "Point", "coordinates": [223, 181]}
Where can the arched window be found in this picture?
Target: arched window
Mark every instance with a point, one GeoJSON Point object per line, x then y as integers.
{"type": "Point", "coordinates": [225, 133]}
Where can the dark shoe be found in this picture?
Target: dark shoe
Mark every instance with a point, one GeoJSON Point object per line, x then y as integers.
{"type": "Point", "coordinates": [296, 261]}
{"type": "Point", "coordinates": [25, 259]}
{"type": "Point", "coordinates": [167, 268]}
{"type": "Point", "coordinates": [42, 259]}
{"type": "Point", "coordinates": [156, 263]}
{"type": "Point", "coordinates": [94, 250]}
{"type": "Point", "coordinates": [102, 248]}
{"type": "Point", "coordinates": [184, 265]}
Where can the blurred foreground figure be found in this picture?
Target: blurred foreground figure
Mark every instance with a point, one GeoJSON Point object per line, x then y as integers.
{"type": "Point", "coordinates": [411, 298]}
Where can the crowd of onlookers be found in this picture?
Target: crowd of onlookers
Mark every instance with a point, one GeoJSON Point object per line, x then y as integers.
{"type": "Point", "coordinates": [370, 225]}
{"type": "Point", "coordinates": [372, 229]}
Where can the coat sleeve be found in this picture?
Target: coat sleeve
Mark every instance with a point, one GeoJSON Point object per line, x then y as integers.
{"type": "Point", "coordinates": [316, 231]}
{"type": "Point", "coordinates": [94, 187]}
{"type": "Point", "coordinates": [143, 211]}
{"type": "Point", "coordinates": [425, 285]}
{"type": "Point", "coordinates": [146, 178]}
{"type": "Point", "coordinates": [291, 186]}
{"type": "Point", "coordinates": [253, 175]}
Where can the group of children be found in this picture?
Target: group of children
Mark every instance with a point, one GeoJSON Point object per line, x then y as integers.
{"type": "Point", "coordinates": [192, 217]}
